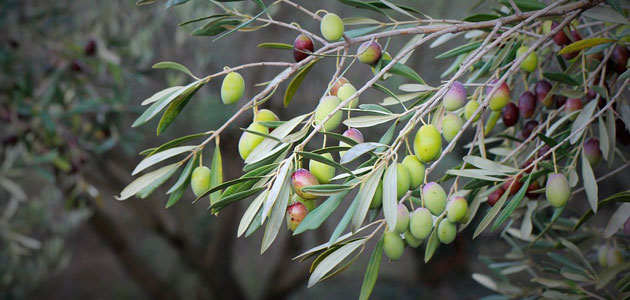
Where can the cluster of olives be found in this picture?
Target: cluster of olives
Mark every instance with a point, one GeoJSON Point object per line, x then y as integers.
{"type": "Point", "coordinates": [416, 226]}
{"type": "Point", "coordinates": [318, 173]}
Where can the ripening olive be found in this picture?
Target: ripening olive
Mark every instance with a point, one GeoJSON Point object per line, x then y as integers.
{"type": "Point", "coordinates": [296, 212]}
{"type": "Point", "coordinates": [421, 223]}
{"type": "Point", "coordinates": [301, 46]}
{"type": "Point", "coordinates": [434, 197]}
{"type": "Point", "coordinates": [560, 38]}
{"type": "Point", "coordinates": [528, 128]}
{"type": "Point", "coordinates": [451, 125]}
{"type": "Point", "coordinates": [232, 88]}
{"type": "Point", "coordinates": [416, 171]}
{"type": "Point", "coordinates": [531, 188]}
{"type": "Point", "coordinates": [322, 171]}
{"type": "Point", "coordinates": [310, 204]}
{"type": "Point", "coordinates": [302, 178]}
{"type": "Point", "coordinates": [446, 231]}
{"type": "Point", "coordinates": [369, 52]}
{"type": "Point", "coordinates": [456, 209]}
{"type": "Point", "coordinates": [325, 107]}
{"type": "Point", "coordinates": [427, 143]}
{"type": "Point", "coordinates": [501, 96]}
{"type": "Point", "coordinates": [354, 134]}
{"type": "Point", "coordinates": [514, 186]}
{"type": "Point", "coordinates": [573, 104]}
{"type": "Point", "coordinates": [336, 85]}
{"type": "Point", "coordinates": [331, 27]}
{"type": "Point", "coordinates": [591, 151]}
{"type": "Point", "coordinates": [345, 91]}
{"type": "Point", "coordinates": [455, 98]}
{"type": "Point", "coordinates": [557, 189]}
{"type": "Point", "coordinates": [200, 180]}
{"type": "Point", "coordinates": [249, 141]}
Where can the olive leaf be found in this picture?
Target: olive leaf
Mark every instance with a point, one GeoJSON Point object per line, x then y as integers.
{"type": "Point", "coordinates": [390, 184]}
{"type": "Point", "coordinates": [365, 195]}
{"type": "Point", "coordinates": [315, 218]}
{"type": "Point", "coordinates": [296, 82]}
{"type": "Point", "coordinates": [491, 214]}
{"type": "Point", "coordinates": [332, 260]}
{"type": "Point", "coordinates": [584, 44]}
{"type": "Point", "coordinates": [371, 272]}
{"type": "Point", "coordinates": [145, 180]}
{"type": "Point", "coordinates": [216, 173]}
{"type": "Point", "coordinates": [174, 66]}
{"type": "Point", "coordinates": [276, 219]}
{"type": "Point", "coordinates": [590, 183]}
{"type": "Point", "coordinates": [583, 119]}
{"type": "Point", "coordinates": [161, 156]}
{"type": "Point", "coordinates": [250, 213]}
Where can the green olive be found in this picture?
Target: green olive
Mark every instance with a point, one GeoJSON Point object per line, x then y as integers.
{"type": "Point", "coordinates": [322, 171]}
{"type": "Point", "coordinates": [331, 27]}
{"type": "Point", "coordinates": [446, 231]}
{"type": "Point", "coordinates": [428, 143]}
{"type": "Point", "coordinates": [416, 171]}
{"type": "Point", "coordinates": [200, 180]}
{"type": "Point", "coordinates": [232, 88]}
{"type": "Point", "coordinates": [249, 141]}
{"type": "Point", "coordinates": [325, 107]}
{"type": "Point", "coordinates": [393, 245]}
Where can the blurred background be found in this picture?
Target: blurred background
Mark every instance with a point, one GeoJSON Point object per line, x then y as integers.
{"type": "Point", "coordinates": [73, 74]}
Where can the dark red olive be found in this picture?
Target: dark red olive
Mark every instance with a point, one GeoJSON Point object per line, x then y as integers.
{"type": "Point", "coordinates": [515, 187]}
{"type": "Point", "coordinates": [619, 59]}
{"type": "Point", "coordinates": [572, 105]}
{"type": "Point", "coordinates": [495, 196]}
{"type": "Point", "coordinates": [510, 114]}
{"type": "Point", "coordinates": [90, 48]}
{"type": "Point", "coordinates": [560, 38]}
{"type": "Point", "coordinates": [532, 187]}
{"type": "Point", "coordinates": [544, 152]}
{"type": "Point", "coordinates": [527, 104]}
{"type": "Point", "coordinates": [529, 127]}
{"type": "Point", "coordinates": [301, 45]}
{"type": "Point", "coordinates": [528, 166]}
{"type": "Point", "coordinates": [542, 89]}
{"type": "Point", "coordinates": [559, 100]}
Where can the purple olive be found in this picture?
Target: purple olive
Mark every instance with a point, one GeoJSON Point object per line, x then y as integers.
{"type": "Point", "coordinates": [510, 114]}
{"type": "Point", "coordinates": [560, 38]}
{"type": "Point", "coordinates": [529, 127]}
{"type": "Point", "coordinates": [619, 59]}
{"type": "Point", "coordinates": [544, 152]}
{"type": "Point", "coordinates": [527, 104]}
{"type": "Point", "coordinates": [591, 151]}
{"type": "Point", "coordinates": [573, 104]}
{"type": "Point", "coordinates": [495, 196]}
{"type": "Point", "coordinates": [542, 89]}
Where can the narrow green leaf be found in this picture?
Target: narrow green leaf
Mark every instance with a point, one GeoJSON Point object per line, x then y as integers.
{"type": "Point", "coordinates": [491, 214]}
{"type": "Point", "coordinates": [279, 209]}
{"type": "Point", "coordinates": [365, 195]}
{"type": "Point", "coordinates": [561, 77]}
{"type": "Point", "coordinates": [433, 242]}
{"type": "Point", "coordinates": [296, 82]}
{"type": "Point", "coordinates": [315, 218]}
{"type": "Point", "coordinates": [323, 159]}
{"type": "Point", "coordinates": [216, 173]}
{"type": "Point", "coordinates": [161, 156]}
{"type": "Point", "coordinates": [158, 105]}
{"type": "Point", "coordinates": [590, 183]}
{"type": "Point", "coordinates": [333, 260]}
{"type": "Point", "coordinates": [512, 205]}
{"type": "Point", "coordinates": [250, 213]}
{"type": "Point", "coordinates": [163, 94]}
{"type": "Point", "coordinates": [480, 18]}
{"type": "Point", "coordinates": [405, 71]}
{"type": "Point", "coordinates": [174, 66]}
{"type": "Point", "coordinates": [242, 25]}
{"type": "Point", "coordinates": [225, 201]}
{"type": "Point", "coordinates": [175, 142]}
{"type": "Point", "coordinates": [145, 192]}
{"type": "Point", "coordinates": [584, 44]}
{"type": "Point", "coordinates": [606, 14]}
{"type": "Point", "coordinates": [282, 46]}
{"type": "Point", "coordinates": [203, 18]}
{"type": "Point", "coordinates": [525, 5]}
{"type": "Point", "coordinates": [143, 181]}
{"type": "Point", "coordinates": [327, 189]}
{"type": "Point", "coordinates": [357, 150]}
{"type": "Point", "coordinates": [459, 50]}
{"type": "Point", "coordinates": [390, 187]}
{"type": "Point", "coordinates": [215, 27]}
{"type": "Point", "coordinates": [583, 119]}
{"type": "Point", "coordinates": [371, 272]}
{"type": "Point", "coordinates": [369, 121]}
{"type": "Point", "coordinates": [176, 107]}
{"type": "Point", "coordinates": [185, 175]}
